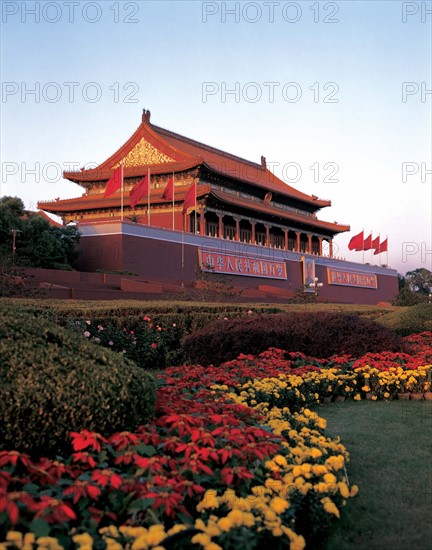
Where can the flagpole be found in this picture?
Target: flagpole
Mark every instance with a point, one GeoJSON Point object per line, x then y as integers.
{"type": "Point", "coordinates": [195, 210]}
{"type": "Point", "coordinates": [182, 254]}
{"type": "Point", "coordinates": [363, 244]}
{"type": "Point", "coordinates": [173, 202]}
{"type": "Point", "coordinates": [387, 250]}
{"type": "Point", "coordinates": [148, 196]}
{"type": "Point", "coordinates": [379, 254]}
{"type": "Point", "coordinates": [122, 190]}
{"type": "Point", "coordinates": [371, 249]}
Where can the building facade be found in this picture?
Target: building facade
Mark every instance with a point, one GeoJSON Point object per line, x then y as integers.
{"type": "Point", "coordinates": [242, 214]}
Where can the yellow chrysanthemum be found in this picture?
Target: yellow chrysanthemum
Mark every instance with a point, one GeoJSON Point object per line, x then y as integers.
{"type": "Point", "coordinates": [279, 505]}
{"type": "Point", "coordinates": [330, 507]}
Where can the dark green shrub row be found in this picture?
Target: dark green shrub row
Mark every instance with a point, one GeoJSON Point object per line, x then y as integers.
{"type": "Point", "coordinates": [53, 382]}
{"type": "Point", "coordinates": [409, 320]}
{"type": "Point", "coordinates": [315, 334]}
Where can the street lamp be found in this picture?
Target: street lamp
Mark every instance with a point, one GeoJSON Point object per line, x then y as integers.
{"type": "Point", "coordinates": [14, 234]}
{"type": "Point", "coordinates": [315, 285]}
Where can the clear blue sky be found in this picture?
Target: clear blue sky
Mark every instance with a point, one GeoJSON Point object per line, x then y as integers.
{"type": "Point", "coordinates": [355, 52]}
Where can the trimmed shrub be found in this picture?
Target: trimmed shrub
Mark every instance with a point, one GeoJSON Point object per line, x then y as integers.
{"type": "Point", "coordinates": [407, 297]}
{"type": "Point", "coordinates": [409, 320]}
{"type": "Point", "coordinates": [316, 334]}
{"type": "Point", "coordinates": [53, 382]}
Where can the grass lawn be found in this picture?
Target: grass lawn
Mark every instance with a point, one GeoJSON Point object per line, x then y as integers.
{"type": "Point", "coordinates": [390, 446]}
{"type": "Point", "coordinates": [169, 306]}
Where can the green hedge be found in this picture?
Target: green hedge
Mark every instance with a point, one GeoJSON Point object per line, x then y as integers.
{"type": "Point", "coordinates": [316, 334]}
{"type": "Point", "coordinates": [409, 320]}
{"type": "Point", "coordinates": [53, 382]}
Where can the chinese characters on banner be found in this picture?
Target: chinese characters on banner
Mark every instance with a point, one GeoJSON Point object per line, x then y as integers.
{"type": "Point", "coordinates": [349, 278]}
{"type": "Point", "coordinates": [216, 262]}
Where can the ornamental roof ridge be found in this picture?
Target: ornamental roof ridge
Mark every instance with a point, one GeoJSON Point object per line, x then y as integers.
{"type": "Point", "coordinates": [206, 147]}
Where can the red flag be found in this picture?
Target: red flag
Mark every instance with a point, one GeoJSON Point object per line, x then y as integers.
{"type": "Point", "coordinates": [367, 243]}
{"type": "Point", "coordinates": [376, 244]}
{"type": "Point", "coordinates": [356, 243]}
{"type": "Point", "coordinates": [382, 248]}
{"type": "Point", "coordinates": [115, 182]}
{"type": "Point", "coordinates": [140, 190]}
{"type": "Point", "coordinates": [168, 193]}
{"type": "Point", "coordinates": [190, 199]}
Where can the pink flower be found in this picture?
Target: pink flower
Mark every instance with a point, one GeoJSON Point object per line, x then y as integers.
{"type": "Point", "coordinates": [97, 340]}
{"type": "Point", "coordinates": [100, 328]}
{"type": "Point", "coordinates": [250, 312]}
{"type": "Point", "coordinates": [159, 329]}
{"type": "Point", "coordinates": [225, 318]}
{"type": "Point", "coordinates": [174, 324]}
{"type": "Point", "coordinates": [146, 318]}
{"type": "Point", "coordinates": [87, 334]}
{"type": "Point", "coordinates": [132, 332]}
{"type": "Point", "coordinates": [88, 322]}
{"type": "Point", "coordinates": [154, 345]}
{"type": "Point", "coordinates": [110, 343]}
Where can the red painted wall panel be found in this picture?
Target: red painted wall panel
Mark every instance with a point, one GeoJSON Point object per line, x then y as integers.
{"type": "Point", "coordinates": [161, 261]}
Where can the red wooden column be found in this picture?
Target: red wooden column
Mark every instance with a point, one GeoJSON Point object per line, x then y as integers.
{"type": "Point", "coordinates": [310, 244]}
{"type": "Point", "coordinates": [285, 239]}
{"type": "Point", "coordinates": [320, 240]}
{"type": "Point", "coordinates": [297, 241]}
{"type": "Point", "coordinates": [220, 227]}
{"type": "Point", "coordinates": [267, 241]}
{"type": "Point", "coordinates": [253, 239]}
{"type": "Point", "coordinates": [203, 228]}
{"type": "Point", "coordinates": [331, 248]}
{"type": "Point", "coordinates": [237, 229]}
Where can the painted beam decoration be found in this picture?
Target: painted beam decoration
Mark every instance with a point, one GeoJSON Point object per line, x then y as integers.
{"type": "Point", "coordinates": [216, 262]}
{"type": "Point", "coordinates": [351, 278]}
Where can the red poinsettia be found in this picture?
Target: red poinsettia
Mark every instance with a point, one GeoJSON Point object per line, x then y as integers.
{"type": "Point", "coordinates": [81, 489]}
{"type": "Point", "coordinates": [13, 458]}
{"type": "Point", "coordinates": [107, 478]}
{"type": "Point", "coordinates": [85, 439]}
{"type": "Point", "coordinates": [49, 471]}
{"type": "Point", "coordinates": [168, 501]}
{"type": "Point", "coordinates": [123, 440]}
{"type": "Point", "coordinates": [53, 510]}
{"type": "Point", "coordinates": [235, 474]}
{"type": "Point", "coordinates": [84, 458]}
{"type": "Point", "coordinates": [9, 503]}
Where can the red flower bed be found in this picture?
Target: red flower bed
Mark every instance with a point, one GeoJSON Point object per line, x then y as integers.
{"type": "Point", "coordinates": [201, 439]}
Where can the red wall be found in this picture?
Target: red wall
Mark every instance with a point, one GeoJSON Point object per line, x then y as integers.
{"type": "Point", "coordinates": [161, 261]}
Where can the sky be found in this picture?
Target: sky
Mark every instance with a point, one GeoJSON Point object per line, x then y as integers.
{"type": "Point", "coordinates": [336, 95]}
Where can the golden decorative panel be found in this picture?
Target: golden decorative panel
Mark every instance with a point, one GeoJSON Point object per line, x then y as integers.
{"type": "Point", "coordinates": [144, 153]}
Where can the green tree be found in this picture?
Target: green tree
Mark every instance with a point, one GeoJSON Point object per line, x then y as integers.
{"type": "Point", "coordinates": [37, 243]}
{"type": "Point", "coordinates": [420, 280]}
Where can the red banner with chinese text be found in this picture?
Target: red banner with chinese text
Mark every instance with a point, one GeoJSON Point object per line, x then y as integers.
{"type": "Point", "coordinates": [216, 262]}
{"type": "Point", "coordinates": [351, 278]}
